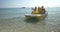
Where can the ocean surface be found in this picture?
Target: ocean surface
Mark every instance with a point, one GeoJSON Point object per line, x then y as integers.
{"type": "Point", "coordinates": [13, 20]}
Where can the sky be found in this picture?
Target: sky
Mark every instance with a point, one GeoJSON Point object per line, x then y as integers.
{"type": "Point", "coordinates": [28, 3]}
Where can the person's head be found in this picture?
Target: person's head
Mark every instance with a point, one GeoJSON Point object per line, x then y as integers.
{"type": "Point", "coordinates": [42, 6]}
{"type": "Point", "coordinates": [35, 7]}
{"type": "Point", "coordinates": [39, 7]}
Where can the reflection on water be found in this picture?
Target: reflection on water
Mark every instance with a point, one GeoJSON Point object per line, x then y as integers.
{"type": "Point", "coordinates": [34, 20]}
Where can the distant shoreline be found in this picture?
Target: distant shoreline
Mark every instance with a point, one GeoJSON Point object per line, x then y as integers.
{"type": "Point", "coordinates": [32, 7]}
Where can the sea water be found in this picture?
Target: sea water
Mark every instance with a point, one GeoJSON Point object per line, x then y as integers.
{"type": "Point", "coordinates": [13, 20]}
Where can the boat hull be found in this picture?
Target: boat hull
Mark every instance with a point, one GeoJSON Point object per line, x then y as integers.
{"type": "Point", "coordinates": [35, 16]}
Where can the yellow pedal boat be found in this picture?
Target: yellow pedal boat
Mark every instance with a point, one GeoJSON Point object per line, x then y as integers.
{"type": "Point", "coordinates": [35, 16]}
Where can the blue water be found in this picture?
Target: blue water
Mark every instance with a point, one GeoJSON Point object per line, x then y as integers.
{"type": "Point", "coordinates": [12, 20]}
{"type": "Point", "coordinates": [13, 12]}
{"type": "Point", "coordinates": [16, 12]}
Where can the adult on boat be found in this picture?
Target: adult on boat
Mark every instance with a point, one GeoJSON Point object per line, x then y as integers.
{"type": "Point", "coordinates": [43, 11]}
{"type": "Point", "coordinates": [39, 10]}
{"type": "Point", "coordinates": [35, 11]}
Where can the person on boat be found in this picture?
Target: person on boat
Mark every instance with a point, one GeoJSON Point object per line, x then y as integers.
{"type": "Point", "coordinates": [39, 10]}
{"type": "Point", "coordinates": [43, 11]}
{"type": "Point", "coordinates": [35, 11]}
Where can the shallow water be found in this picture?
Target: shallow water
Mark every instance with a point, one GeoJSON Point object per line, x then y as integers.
{"type": "Point", "coordinates": [14, 21]}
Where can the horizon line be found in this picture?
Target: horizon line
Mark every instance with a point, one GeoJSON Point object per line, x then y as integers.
{"type": "Point", "coordinates": [24, 7]}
